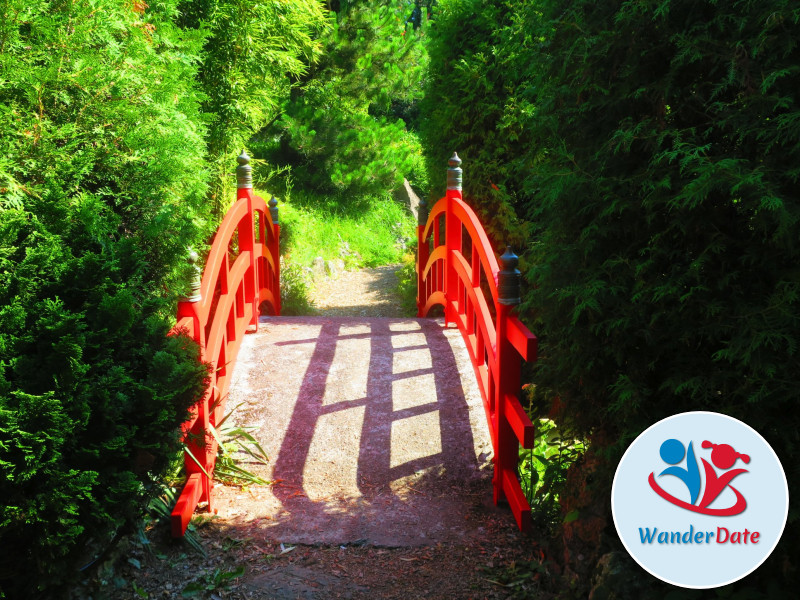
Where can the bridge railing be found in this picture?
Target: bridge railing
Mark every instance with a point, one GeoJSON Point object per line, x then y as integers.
{"type": "Point", "coordinates": [457, 269]}
{"type": "Point", "coordinates": [242, 273]}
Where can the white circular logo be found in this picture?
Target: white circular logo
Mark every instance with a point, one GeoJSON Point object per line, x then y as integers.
{"type": "Point", "coordinates": [700, 500]}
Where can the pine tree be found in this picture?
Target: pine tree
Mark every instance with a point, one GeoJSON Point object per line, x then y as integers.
{"type": "Point", "coordinates": [343, 129]}
{"type": "Point", "coordinates": [253, 52]}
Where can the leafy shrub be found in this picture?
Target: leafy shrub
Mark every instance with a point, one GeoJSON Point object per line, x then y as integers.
{"type": "Point", "coordinates": [102, 178]}
{"type": "Point", "coordinates": [664, 269]}
{"type": "Point", "coordinates": [543, 472]}
{"type": "Point", "coordinates": [296, 288]}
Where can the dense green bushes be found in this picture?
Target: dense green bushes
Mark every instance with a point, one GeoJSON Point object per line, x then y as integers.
{"type": "Point", "coordinates": [664, 270]}
{"type": "Point", "coordinates": [344, 129]}
{"type": "Point", "coordinates": [252, 55]}
{"type": "Point", "coordinates": [475, 104]}
{"type": "Point", "coordinates": [102, 179]}
{"type": "Point", "coordinates": [118, 121]}
{"type": "Point", "coordinates": [643, 154]}
{"type": "Point", "coordinates": [658, 166]}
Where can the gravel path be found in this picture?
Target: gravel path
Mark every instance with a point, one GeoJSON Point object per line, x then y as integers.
{"type": "Point", "coordinates": [363, 293]}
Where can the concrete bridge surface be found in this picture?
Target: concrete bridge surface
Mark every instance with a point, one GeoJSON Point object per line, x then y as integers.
{"type": "Point", "coordinates": [375, 430]}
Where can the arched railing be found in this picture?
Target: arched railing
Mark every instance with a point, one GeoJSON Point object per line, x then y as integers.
{"type": "Point", "coordinates": [242, 273]}
{"type": "Point", "coordinates": [456, 268]}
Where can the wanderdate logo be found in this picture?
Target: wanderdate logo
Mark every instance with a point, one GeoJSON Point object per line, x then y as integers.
{"type": "Point", "coordinates": [723, 457]}
{"type": "Point", "coordinates": [700, 500]}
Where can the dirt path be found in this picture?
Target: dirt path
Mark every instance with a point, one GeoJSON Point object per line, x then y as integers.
{"type": "Point", "coordinates": [362, 293]}
{"type": "Point", "coordinates": [381, 460]}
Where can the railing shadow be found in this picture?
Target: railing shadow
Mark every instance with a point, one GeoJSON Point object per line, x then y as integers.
{"type": "Point", "coordinates": [379, 436]}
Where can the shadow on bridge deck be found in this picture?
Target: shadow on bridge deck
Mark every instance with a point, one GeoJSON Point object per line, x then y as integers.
{"type": "Point", "coordinates": [375, 429]}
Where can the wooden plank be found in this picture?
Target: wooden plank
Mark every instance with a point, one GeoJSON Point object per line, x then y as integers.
{"type": "Point", "coordinates": [522, 339]}
{"type": "Point", "coordinates": [517, 501]}
{"type": "Point", "coordinates": [184, 507]}
{"type": "Point", "coordinates": [519, 421]}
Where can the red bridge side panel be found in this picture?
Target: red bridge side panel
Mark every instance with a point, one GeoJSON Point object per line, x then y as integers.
{"type": "Point", "coordinates": [478, 293]}
{"type": "Point", "coordinates": [225, 301]}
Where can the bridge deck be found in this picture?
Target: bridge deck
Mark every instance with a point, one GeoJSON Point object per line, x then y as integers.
{"type": "Point", "coordinates": [375, 430]}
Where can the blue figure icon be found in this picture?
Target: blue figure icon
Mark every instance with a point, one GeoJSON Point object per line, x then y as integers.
{"type": "Point", "coordinates": [672, 452]}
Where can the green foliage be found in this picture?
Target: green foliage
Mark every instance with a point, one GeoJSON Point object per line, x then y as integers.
{"type": "Point", "coordinates": [253, 52]}
{"type": "Point", "coordinates": [407, 281]}
{"type": "Point", "coordinates": [235, 443]}
{"type": "Point", "coordinates": [296, 289]}
{"type": "Point", "coordinates": [160, 510]}
{"type": "Point", "coordinates": [653, 149]}
{"type": "Point", "coordinates": [342, 129]}
{"type": "Point", "coordinates": [475, 104]}
{"type": "Point", "coordinates": [365, 232]}
{"type": "Point", "coordinates": [543, 472]}
{"type": "Point", "coordinates": [101, 177]}
{"type": "Point", "coordinates": [664, 270]}
{"type": "Point", "coordinates": [667, 210]}
{"type": "Point", "coordinates": [210, 581]}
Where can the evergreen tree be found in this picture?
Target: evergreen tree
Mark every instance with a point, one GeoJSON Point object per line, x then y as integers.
{"type": "Point", "coordinates": [343, 129]}
{"type": "Point", "coordinates": [475, 104]}
{"type": "Point", "coordinates": [652, 147]}
{"type": "Point", "coordinates": [101, 181]}
{"type": "Point", "coordinates": [664, 272]}
{"type": "Point", "coordinates": [252, 53]}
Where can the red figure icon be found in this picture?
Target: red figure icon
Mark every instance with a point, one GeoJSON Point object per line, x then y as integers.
{"type": "Point", "coordinates": [724, 457]}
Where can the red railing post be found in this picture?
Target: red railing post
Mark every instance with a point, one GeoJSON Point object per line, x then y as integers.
{"type": "Point", "coordinates": [509, 365]}
{"type": "Point", "coordinates": [198, 485]}
{"type": "Point", "coordinates": [496, 340]}
{"type": "Point", "coordinates": [222, 306]}
{"type": "Point", "coordinates": [452, 237]}
{"type": "Point", "coordinates": [423, 253]}
{"type": "Point", "coordinates": [275, 250]}
{"type": "Point", "coordinates": [247, 232]}
{"type": "Point", "coordinates": [187, 308]}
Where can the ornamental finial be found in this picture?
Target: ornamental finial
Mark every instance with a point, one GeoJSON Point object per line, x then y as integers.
{"type": "Point", "coordinates": [197, 275]}
{"type": "Point", "coordinates": [244, 172]}
{"type": "Point", "coordinates": [508, 279]}
{"type": "Point", "coordinates": [273, 210]}
{"type": "Point", "coordinates": [422, 212]}
{"type": "Point", "coordinates": [454, 173]}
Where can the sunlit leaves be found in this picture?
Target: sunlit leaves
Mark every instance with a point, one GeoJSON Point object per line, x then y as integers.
{"type": "Point", "coordinates": [345, 123]}
{"type": "Point", "coordinates": [100, 187]}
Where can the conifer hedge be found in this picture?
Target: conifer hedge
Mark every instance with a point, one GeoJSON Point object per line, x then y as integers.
{"type": "Point", "coordinates": [101, 180]}
{"type": "Point", "coordinates": [252, 55]}
{"type": "Point", "coordinates": [475, 104]}
{"type": "Point", "coordinates": [659, 169]}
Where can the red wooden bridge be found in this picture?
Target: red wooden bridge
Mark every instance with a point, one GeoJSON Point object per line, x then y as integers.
{"type": "Point", "coordinates": [457, 269]}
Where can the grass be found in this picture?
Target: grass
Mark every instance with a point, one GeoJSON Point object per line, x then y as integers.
{"type": "Point", "coordinates": [407, 281]}
{"type": "Point", "coordinates": [362, 232]}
